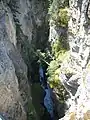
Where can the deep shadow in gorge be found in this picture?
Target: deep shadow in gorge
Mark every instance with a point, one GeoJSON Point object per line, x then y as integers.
{"type": "Point", "coordinates": [43, 60]}
{"type": "Point", "coordinates": [37, 90]}
{"type": "Point", "coordinates": [27, 28]}
{"type": "Point", "coordinates": [28, 51]}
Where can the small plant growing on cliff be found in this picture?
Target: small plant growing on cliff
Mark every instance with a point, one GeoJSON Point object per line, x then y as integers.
{"type": "Point", "coordinates": [63, 17]}
{"type": "Point", "coordinates": [58, 12]}
{"type": "Point", "coordinates": [59, 52]}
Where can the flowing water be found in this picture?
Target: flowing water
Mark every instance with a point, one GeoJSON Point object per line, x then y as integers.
{"type": "Point", "coordinates": [48, 103]}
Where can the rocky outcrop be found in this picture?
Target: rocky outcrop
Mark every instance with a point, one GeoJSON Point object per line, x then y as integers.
{"type": "Point", "coordinates": [56, 32]}
{"type": "Point", "coordinates": [10, 99]}
{"type": "Point", "coordinates": [79, 32]}
{"type": "Point", "coordinates": [78, 62]}
{"type": "Point", "coordinates": [14, 88]}
{"type": "Point", "coordinates": [59, 46]}
{"type": "Point", "coordinates": [30, 16]}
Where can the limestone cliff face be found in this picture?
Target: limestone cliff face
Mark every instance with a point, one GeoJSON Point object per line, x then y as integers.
{"type": "Point", "coordinates": [79, 32]}
{"type": "Point", "coordinates": [11, 61]}
{"type": "Point", "coordinates": [31, 16]}
{"type": "Point", "coordinates": [20, 20]}
{"type": "Point", "coordinates": [78, 62]}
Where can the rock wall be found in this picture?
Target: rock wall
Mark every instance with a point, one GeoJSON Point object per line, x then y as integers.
{"type": "Point", "coordinates": [23, 23]}
{"type": "Point", "coordinates": [78, 62]}
{"type": "Point", "coordinates": [12, 67]}
{"type": "Point", "coordinates": [31, 16]}
{"type": "Point", "coordinates": [58, 32]}
{"type": "Point", "coordinates": [79, 32]}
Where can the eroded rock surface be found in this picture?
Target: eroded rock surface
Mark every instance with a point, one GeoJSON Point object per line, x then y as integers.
{"type": "Point", "coordinates": [14, 88]}
{"type": "Point", "coordinates": [78, 62]}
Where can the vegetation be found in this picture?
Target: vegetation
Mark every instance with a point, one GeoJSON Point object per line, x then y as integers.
{"type": "Point", "coordinates": [58, 12]}
{"type": "Point", "coordinates": [63, 17]}
{"type": "Point", "coordinates": [53, 71]}
{"type": "Point", "coordinates": [52, 57]}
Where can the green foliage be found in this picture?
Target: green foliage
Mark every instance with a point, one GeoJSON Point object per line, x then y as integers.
{"type": "Point", "coordinates": [63, 17]}
{"type": "Point", "coordinates": [59, 47]}
{"type": "Point", "coordinates": [59, 52]}
{"type": "Point", "coordinates": [53, 72]}
{"type": "Point", "coordinates": [42, 56]}
{"type": "Point", "coordinates": [53, 76]}
{"type": "Point", "coordinates": [59, 13]}
{"type": "Point", "coordinates": [60, 18]}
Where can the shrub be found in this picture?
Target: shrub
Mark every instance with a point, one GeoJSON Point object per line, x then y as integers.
{"type": "Point", "coordinates": [59, 52]}
{"type": "Point", "coordinates": [63, 17]}
{"type": "Point", "coordinates": [59, 13]}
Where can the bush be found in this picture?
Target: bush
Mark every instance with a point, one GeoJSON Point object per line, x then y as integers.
{"type": "Point", "coordinates": [59, 13]}
{"type": "Point", "coordinates": [63, 17]}
{"type": "Point", "coordinates": [59, 53]}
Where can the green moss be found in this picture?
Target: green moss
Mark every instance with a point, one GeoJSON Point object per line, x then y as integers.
{"type": "Point", "coordinates": [63, 14]}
